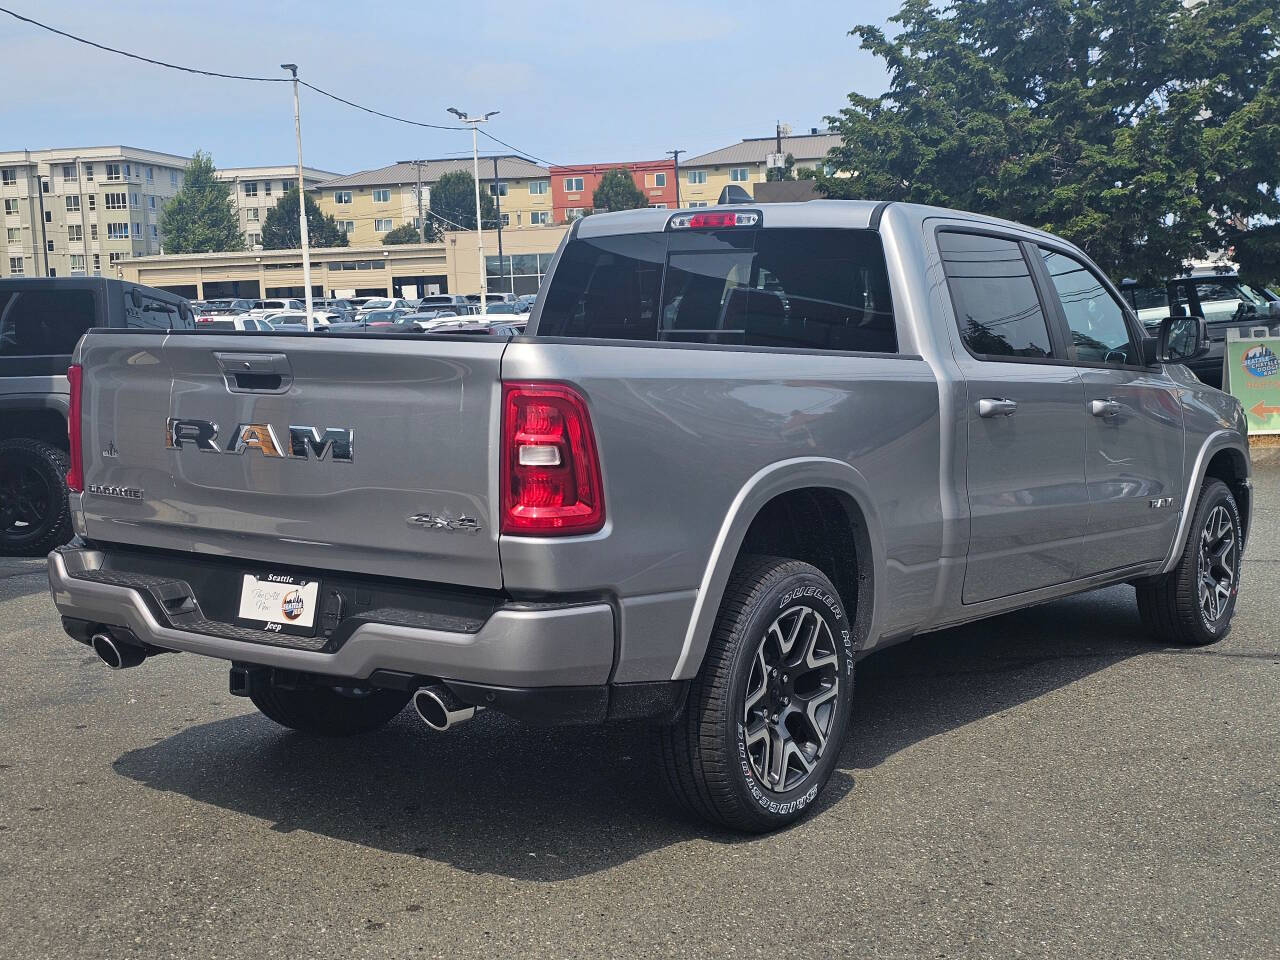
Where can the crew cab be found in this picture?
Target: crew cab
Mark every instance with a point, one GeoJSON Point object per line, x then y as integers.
{"type": "Point", "coordinates": [737, 449]}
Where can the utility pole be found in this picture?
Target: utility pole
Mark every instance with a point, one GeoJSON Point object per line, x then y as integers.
{"type": "Point", "coordinates": [302, 198]}
{"type": "Point", "coordinates": [475, 165]}
{"type": "Point", "coordinates": [422, 226]}
{"type": "Point", "coordinates": [44, 236]}
{"type": "Point", "coordinates": [497, 199]}
{"type": "Point", "coordinates": [676, 155]}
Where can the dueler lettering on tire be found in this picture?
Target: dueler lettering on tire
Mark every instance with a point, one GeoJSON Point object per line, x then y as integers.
{"type": "Point", "coordinates": [768, 712]}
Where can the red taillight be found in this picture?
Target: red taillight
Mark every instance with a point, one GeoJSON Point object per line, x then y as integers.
{"type": "Point", "coordinates": [75, 476]}
{"type": "Point", "coordinates": [550, 471]}
{"type": "Point", "coordinates": [713, 221]}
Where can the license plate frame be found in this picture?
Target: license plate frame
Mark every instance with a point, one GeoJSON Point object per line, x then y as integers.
{"type": "Point", "coordinates": [278, 603]}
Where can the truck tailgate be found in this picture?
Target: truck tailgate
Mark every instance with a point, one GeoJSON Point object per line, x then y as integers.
{"type": "Point", "coordinates": [372, 455]}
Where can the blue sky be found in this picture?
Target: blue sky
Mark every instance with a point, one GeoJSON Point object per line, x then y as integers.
{"type": "Point", "coordinates": [576, 82]}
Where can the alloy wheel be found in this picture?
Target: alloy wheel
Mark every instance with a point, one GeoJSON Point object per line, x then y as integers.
{"type": "Point", "coordinates": [793, 690]}
{"type": "Point", "coordinates": [25, 498]}
{"type": "Point", "coordinates": [1216, 564]}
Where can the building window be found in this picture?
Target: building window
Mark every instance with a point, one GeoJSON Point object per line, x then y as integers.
{"type": "Point", "coordinates": [69, 173]}
{"type": "Point", "coordinates": [254, 240]}
{"type": "Point", "coordinates": [44, 185]}
{"type": "Point", "coordinates": [572, 213]}
{"type": "Point", "coordinates": [115, 201]}
{"type": "Point", "coordinates": [133, 200]}
{"type": "Point", "coordinates": [573, 184]}
{"type": "Point", "coordinates": [73, 203]}
{"type": "Point", "coordinates": [93, 201]}
{"type": "Point", "coordinates": [113, 171]}
{"type": "Point", "coordinates": [97, 263]}
{"type": "Point", "coordinates": [696, 176]}
{"type": "Point", "coordinates": [498, 189]}
{"type": "Point", "coordinates": [382, 195]}
{"type": "Point", "coordinates": [48, 216]}
{"type": "Point", "coordinates": [382, 226]}
{"type": "Point", "coordinates": [250, 188]}
{"type": "Point", "coordinates": [11, 207]}
{"type": "Point", "coordinates": [539, 218]}
{"type": "Point", "coordinates": [114, 257]}
{"type": "Point", "coordinates": [251, 214]}
{"type": "Point", "coordinates": [151, 202]}
{"type": "Point", "coordinates": [655, 179]}
{"type": "Point", "coordinates": [151, 174]}
{"type": "Point", "coordinates": [539, 187]}
{"type": "Point", "coordinates": [137, 230]}
{"type": "Point", "coordinates": [506, 219]}
{"type": "Point", "coordinates": [88, 172]}
{"type": "Point", "coordinates": [155, 232]}
{"type": "Point", "coordinates": [657, 206]}
{"type": "Point", "coordinates": [48, 245]}
{"type": "Point", "coordinates": [739, 174]}
{"type": "Point", "coordinates": [173, 178]}
{"type": "Point", "coordinates": [93, 231]}
{"type": "Point", "coordinates": [117, 231]}
{"type": "Point", "coordinates": [75, 233]}
{"type": "Point", "coordinates": [347, 226]}
{"type": "Point", "coordinates": [77, 263]}
{"type": "Point", "coordinates": [127, 172]}
{"type": "Point", "coordinates": [266, 188]}
{"type": "Point", "coordinates": [341, 196]}
{"type": "Point", "coordinates": [8, 176]}
{"type": "Point", "coordinates": [697, 203]}
{"type": "Point", "coordinates": [15, 266]}
{"type": "Point", "coordinates": [14, 234]}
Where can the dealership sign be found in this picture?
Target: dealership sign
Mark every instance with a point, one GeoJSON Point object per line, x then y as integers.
{"type": "Point", "coordinates": [1251, 373]}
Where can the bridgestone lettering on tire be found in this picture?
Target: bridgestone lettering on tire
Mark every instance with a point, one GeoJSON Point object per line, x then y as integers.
{"type": "Point", "coordinates": [767, 714]}
{"type": "Point", "coordinates": [1192, 605]}
{"type": "Point", "coordinates": [34, 515]}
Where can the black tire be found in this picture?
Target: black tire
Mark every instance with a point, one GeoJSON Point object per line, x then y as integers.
{"type": "Point", "coordinates": [34, 515]}
{"type": "Point", "coordinates": [710, 766]}
{"type": "Point", "coordinates": [326, 712]}
{"type": "Point", "coordinates": [1172, 606]}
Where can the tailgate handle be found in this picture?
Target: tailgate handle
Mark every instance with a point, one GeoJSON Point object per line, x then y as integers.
{"type": "Point", "coordinates": [255, 372]}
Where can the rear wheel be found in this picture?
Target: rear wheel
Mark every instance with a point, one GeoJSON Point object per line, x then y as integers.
{"type": "Point", "coordinates": [767, 714]}
{"type": "Point", "coordinates": [1192, 605]}
{"type": "Point", "coordinates": [328, 711]}
{"type": "Point", "coordinates": [34, 515]}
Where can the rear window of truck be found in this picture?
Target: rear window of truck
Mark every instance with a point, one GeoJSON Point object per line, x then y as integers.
{"type": "Point", "coordinates": [43, 323]}
{"type": "Point", "coordinates": [817, 289]}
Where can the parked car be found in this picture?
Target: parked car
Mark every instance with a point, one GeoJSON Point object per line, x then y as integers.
{"type": "Point", "coordinates": [441, 301]}
{"type": "Point", "coordinates": [345, 309]}
{"type": "Point", "coordinates": [700, 516]}
{"type": "Point", "coordinates": [243, 323]}
{"type": "Point", "coordinates": [320, 318]}
{"type": "Point", "coordinates": [525, 303]}
{"type": "Point", "coordinates": [385, 303]}
{"type": "Point", "coordinates": [41, 319]}
{"type": "Point", "coordinates": [383, 318]}
{"type": "Point", "coordinates": [264, 308]}
{"type": "Point", "coordinates": [223, 305]}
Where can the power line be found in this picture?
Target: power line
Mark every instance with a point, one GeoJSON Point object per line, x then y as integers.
{"type": "Point", "coordinates": [377, 113]}
{"type": "Point", "coordinates": [485, 133]}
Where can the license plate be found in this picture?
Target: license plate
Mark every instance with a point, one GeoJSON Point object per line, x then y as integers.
{"type": "Point", "coordinates": [279, 603]}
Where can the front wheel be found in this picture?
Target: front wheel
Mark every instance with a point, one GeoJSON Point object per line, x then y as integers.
{"type": "Point", "coordinates": [1192, 605]}
{"type": "Point", "coordinates": [328, 711]}
{"type": "Point", "coordinates": [767, 715]}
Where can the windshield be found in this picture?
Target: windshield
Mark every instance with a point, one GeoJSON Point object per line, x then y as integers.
{"type": "Point", "coordinates": [501, 308]}
{"type": "Point", "coordinates": [1212, 291]}
{"type": "Point", "coordinates": [377, 305]}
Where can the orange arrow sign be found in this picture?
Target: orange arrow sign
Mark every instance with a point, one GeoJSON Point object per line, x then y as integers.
{"type": "Point", "coordinates": [1261, 410]}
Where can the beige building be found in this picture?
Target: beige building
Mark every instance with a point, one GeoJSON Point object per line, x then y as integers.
{"type": "Point", "coordinates": [702, 178]}
{"type": "Point", "coordinates": [78, 211]}
{"type": "Point", "coordinates": [408, 270]}
{"type": "Point", "coordinates": [256, 190]}
{"type": "Point", "coordinates": [370, 204]}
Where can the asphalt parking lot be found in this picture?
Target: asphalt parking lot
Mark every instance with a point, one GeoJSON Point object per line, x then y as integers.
{"type": "Point", "coordinates": [1049, 783]}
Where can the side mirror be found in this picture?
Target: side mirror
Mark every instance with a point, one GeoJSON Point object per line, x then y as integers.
{"type": "Point", "coordinates": [1182, 339]}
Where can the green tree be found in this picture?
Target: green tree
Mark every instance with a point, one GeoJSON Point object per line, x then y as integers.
{"type": "Point", "coordinates": [405, 233]}
{"type": "Point", "coordinates": [618, 191]}
{"type": "Point", "coordinates": [453, 201]}
{"type": "Point", "coordinates": [785, 172]}
{"type": "Point", "coordinates": [201, 217]}
{"type": "Point", "coordinates": [1146, 131]}
{"type": "Point", "coordinates": [280, 229]}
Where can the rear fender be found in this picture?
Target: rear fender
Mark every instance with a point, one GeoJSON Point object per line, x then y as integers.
{"type": "Point", "coordinates": [769, 482]}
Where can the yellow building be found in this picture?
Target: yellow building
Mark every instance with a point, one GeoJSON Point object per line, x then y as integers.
{"type": "Point", "coordinates": [370, 204]}
{"type": "Point", "coordinates": [702, 178]}
{"type": "Point", "coordinates": [400, 270]}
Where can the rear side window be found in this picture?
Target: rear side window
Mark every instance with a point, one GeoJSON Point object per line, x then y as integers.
{"type": "Point", "coordinates": [994, 297]}
{"type": "Point", "coordinates": [802, 288]}
{"type": "Point", "coordinates": [155, 314]}
{"type": "Point", "coordinates": [37, 323]}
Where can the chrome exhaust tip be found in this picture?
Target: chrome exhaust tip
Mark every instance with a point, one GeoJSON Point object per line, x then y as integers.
{"type": "Point", "coordinates": [116, 655]}
{"type": "Point", "coordinates": [439, 708]}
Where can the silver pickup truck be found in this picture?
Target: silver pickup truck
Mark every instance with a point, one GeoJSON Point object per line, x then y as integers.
{"type": "Point", "coordinates": [738, 449]}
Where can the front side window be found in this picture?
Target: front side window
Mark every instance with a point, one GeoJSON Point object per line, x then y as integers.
{"type": "Point", "coordinates": [995, 301]}
{"type": "Point", "coordinates": [382, 195]}
{"type": "Point", "coordinates": [1099, 333]}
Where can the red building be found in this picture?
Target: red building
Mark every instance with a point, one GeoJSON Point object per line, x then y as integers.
{"type": "Point", "coordinates": [572, 186]}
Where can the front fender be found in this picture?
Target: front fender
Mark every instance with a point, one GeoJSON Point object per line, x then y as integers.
{"type": "Point", "coordinates": [777, 478]}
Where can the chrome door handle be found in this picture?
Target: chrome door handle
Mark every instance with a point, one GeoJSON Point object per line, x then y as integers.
{"type": "Point", "coordinates": [997, 407]}
{"type": "Point", "coordinates": [1105, 408]}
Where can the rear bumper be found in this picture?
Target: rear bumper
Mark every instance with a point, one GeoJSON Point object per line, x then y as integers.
{"type": "Point", "coordinates": [517, 646]}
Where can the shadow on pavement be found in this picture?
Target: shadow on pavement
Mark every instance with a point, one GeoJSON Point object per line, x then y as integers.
{"type": "Point", "coordinates": [497, 797]}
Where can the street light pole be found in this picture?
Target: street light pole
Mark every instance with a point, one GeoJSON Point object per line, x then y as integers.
{"type": "Point", "coordinates": [497, 200]}
{"type": "Point", "coordinates": [676, 155]}
{"type": "Point", "coordinates": [302, 198]}
{"type": "Point", "coordinates": [475, 164]}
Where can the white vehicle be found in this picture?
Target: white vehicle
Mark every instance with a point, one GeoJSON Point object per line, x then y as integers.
{"type": "Point", "coordinates": [264, 308]}
{"type": "Point", "coordinates": [241, 322]}
{"type": "Point", "coordinates": [384, 303]}
{"type": "Point", "coordinates": [321, 318]}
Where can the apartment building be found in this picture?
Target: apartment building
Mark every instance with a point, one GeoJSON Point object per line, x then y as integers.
{"type": "Point", "coordinates": [746, 163]}
{"type": "Point", "coordinates": [370, 204]}
{"type": "Point", "coordinates": [256, 190]}
{"type": "Point", "coordinates": [77, 211]}
{"type": "Point", "coordinates": [573, 186]}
